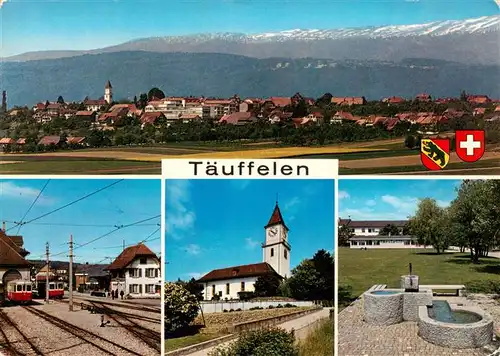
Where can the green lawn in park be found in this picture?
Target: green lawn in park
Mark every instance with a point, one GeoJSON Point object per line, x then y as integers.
{"type": "Point", "coordinates": [361, 269]}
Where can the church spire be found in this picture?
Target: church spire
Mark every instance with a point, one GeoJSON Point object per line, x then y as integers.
{"type": "Point", "coordinates": [276, 217]}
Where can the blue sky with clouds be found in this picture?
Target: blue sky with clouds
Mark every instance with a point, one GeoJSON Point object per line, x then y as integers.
{"type": "Point", "coordinates": [390, 199]}
{"type": "Point", "coordinates": [31, 25]}
{"type": "Point", "coordinates": [220, 223]}
{"type": "Point", "coordinates": [124, 203]}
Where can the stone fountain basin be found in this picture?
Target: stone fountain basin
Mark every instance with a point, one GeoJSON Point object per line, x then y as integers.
{"type": "Point", "coordinates": [458, 336]}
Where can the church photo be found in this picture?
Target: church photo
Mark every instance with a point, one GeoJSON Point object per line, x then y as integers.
{"type": "Point", "coordinates": [225, 235]}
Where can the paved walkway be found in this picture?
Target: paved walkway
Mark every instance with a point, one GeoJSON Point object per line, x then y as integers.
{"type": "Point", "coordinates": [357, 338]}
{"type": "Point", "coordinates": [288, 325]}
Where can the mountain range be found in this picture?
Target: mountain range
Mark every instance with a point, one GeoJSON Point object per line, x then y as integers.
{"type": "Point", "coordinates": [467, 41]}
{"type": "Point", "coordinates": [440, 58]}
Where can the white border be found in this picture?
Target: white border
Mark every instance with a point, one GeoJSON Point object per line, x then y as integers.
{"type": "Point", "coordinates": [162, 267]}
{"type": "Point", "coordinates": [336, 266]}
{"type": "Point", "coordinates": [79, 177]}
{"type": "Point", "coordinates": [181, 168]}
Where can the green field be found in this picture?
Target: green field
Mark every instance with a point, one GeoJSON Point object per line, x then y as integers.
{"type": "Point", "coordinates": [361, 269]}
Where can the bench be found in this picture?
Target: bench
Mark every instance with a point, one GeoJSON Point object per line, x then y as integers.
{"type": "Point", "coordinates": [377, 287]}
{"type": "Point", "coordinates": [451, 287]}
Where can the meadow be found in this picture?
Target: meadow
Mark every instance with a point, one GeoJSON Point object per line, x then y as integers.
{"type": "Point", "coordinates": [361, 269]}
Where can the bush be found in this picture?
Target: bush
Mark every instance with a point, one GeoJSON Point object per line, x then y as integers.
{"type": "Point", "coordinates": [239, 309]}
{"type": "Point", "coordinates": [224, 311]}
{"type": "Point", "coordinates": [279, 306]}
{"type": "Point", "coordinates": [231, 310]}
{"type": "Point", "coordinates": [181, 307]}
{"type": "Point", "coordinates": [262, 342]}
{"type": "Point", "coordinates": [244, 296]}
{"type": "Point", "coordinates": [271, 307]}
{"type": "Point", "coordinates": [486, 287]}
{"type": "Point", "coordinates": [288, 305]}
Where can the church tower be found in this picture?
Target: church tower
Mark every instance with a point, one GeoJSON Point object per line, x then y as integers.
{"type": "Point", "coordinates": [276, 249]}
{"type": "Point", "coordinates": [4, 102]}
{"type": "Point", "coordinates": [108, 92]}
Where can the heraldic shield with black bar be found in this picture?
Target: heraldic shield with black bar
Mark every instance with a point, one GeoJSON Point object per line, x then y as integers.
{"type": "Point", "coordinates": [435, 153]}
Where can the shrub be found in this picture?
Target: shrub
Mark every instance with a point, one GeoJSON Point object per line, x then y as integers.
{"type": "Point", "coordinates": [181, 307]}
{"type": "Point", "coordinates": [231, 310]}
{"type": "Point", "coordinates": [279, 306]}
{"type": "Point", "coordinates": [239, 309]}
{"type": "Point", "coordinates": [271, 307]}
{"type": "Point", "coordinates": [288, 305]}
{"type": "Point", "coordinates": [225, 311]}
{"type": "Point", "coordinates": [244, 296]}
{"type": "Point", "coordinates": [262, 342]}
{"type": "Point", "coordinates": [486, 287]}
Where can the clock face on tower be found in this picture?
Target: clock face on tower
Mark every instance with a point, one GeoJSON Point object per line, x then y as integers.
{"type": "Point", "coordinates": [273, 231]}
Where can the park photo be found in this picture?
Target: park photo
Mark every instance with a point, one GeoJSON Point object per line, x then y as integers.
{"type": "Point", "coordinates": [418, 267]}
{"type": "Point", "coordinates": [249, 267]}
{"type": "Point", "coordinates": [361, 81]}
{"type": "Point", "coordinates": [80, 267]}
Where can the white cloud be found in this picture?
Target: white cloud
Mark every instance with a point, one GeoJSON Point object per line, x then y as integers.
{"type": "Point", "coordinates": [292, 203]}
{"type": "Point", "coordinates": [444, 203]}
{"type": "Point", "coordinates": [179, 218]}
{"type": "Point", "coordinates": [240, 184]}
{"type": "Point", "coordinates": [2, 2]}
{"type": "Point", "coordinates": [196, 275]}
{"type": "Point", "coordinates": [370, 214]}
{"type": "Point", "coordinates": [343, 195]}
{"type": "Point", "coordinates": [408, 204]}
{"type": "Point", "coordinates": [251, 243]}
{"type": "Point", "coordinates": [192, 249]}
{"type": "Point", "coordinates": [370, 202]}
{"type": "Point", "coordinates": [12, 190]}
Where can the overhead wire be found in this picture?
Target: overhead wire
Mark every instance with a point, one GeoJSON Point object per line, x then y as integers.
{"type": "Point", "coordinates": [31, 206]}
{"type": "Point", "coordinates": [69, 204]}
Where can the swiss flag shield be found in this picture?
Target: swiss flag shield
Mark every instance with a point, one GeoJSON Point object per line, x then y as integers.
{"type": "Point", "coordinates": [469, 145]}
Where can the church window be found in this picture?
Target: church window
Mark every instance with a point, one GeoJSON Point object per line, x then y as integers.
{"type": "Point", "coordinates": [272, 252]}
{"type": "Point", "coordinates": [227, 288]}
{"type": "Point", "coordinates": [213, 289]}
{"type": "Point", "coordinates": [286, 254]}
{"type": "Point", "coordinates": [242, 286]}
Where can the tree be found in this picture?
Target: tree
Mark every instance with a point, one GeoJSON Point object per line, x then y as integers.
{"type": "Point", "coordinates": [267, 285]}
{"type": "Point", "coordinates": [429, 225]}
{"type": "Point", "coordinates": [475, 213]}
{"type": "Point", "coordinates": [181, 307]}
{"type": "Point", "coordinates": [314, 279]}
{"type": "Point", "coordinates": [155, 93]}
{"type": "Point", "coordinates": [389, 230]}
{"type": "Point", "coordinates": [344, 235]}
{"type": "Point", "coordinates": [193, 287]}
{"type": "Point", "coordinates": [143, 101]}
{"type": "Point", "coordinates": [60, 100]}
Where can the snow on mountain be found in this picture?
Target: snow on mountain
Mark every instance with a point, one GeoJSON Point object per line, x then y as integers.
{"type": "Point", "coordinates": [439, 28]}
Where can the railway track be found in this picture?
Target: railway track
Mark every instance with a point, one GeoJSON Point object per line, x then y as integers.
{"type": "Point", "coordinates": [150, 337]}
{"type": "Point", "coordinates": [122, 304]}
{"type": "Point", "coordinates": [15, 347]}
{"type": "Point", "coordinates": [129, 315]}
{"type": "Point", "coordinates": [82, 334]}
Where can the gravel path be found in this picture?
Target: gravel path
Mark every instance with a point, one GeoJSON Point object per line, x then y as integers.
{"type": "Point", "coordinates": [55, 337]}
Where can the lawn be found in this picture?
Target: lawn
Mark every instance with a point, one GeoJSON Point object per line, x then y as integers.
{"type": "Point", "coordinates": [320, 341]}
{"type": "Point", "coordinates": [361, 269]}
{"type": "Point", "coordinates": [216, 324]}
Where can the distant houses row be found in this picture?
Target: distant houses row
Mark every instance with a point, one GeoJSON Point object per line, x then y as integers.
{"type": "Point", "coordinates": [45, 141]}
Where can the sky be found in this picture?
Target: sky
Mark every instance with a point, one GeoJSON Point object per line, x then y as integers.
{"type": "Point", "coordinates": [215, 224]}
{"type": "Point", "coordinates": [390, 199]}
{"type": "Point", "coordinates": [33, 25]}
{"type": "Point", "coordinates": [125, 202]}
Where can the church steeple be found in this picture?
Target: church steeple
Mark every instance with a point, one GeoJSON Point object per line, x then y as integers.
{"type": "Point", "coordinates": [276, 249]}
{"type": "Point", "coordinates": [276, 217]}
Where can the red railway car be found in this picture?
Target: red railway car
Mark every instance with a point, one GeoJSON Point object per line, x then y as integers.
{"type": "Point", "coordinates": [19, 291]}
{"type": "Point", "coordinates": [56, 290]}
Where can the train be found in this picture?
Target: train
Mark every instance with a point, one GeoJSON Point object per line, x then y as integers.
{"type": "Point", "coordinates": [19, 291]}
{"type": "Point", "coordinates": [56, 290]}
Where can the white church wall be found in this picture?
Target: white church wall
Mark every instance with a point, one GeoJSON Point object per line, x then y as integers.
{"type": "Point", "coordinates": [234, 287]}
{"type": "Point", "coordinates": [219, 307]}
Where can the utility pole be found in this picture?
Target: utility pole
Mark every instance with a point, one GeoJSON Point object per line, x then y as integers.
{"type": "Point", "coordinates": [48, 272]}
{"type": "Point", "coordinates": [71, 273]}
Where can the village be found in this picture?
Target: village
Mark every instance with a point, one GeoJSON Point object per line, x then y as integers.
{"type": "Point", "coordinates": [93, 308]}
{"type": "Point", "coordinates": [140, 121]}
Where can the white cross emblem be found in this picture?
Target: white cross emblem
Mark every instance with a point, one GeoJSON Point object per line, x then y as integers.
{"type": "Point", "coordinates": [470, 145]}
